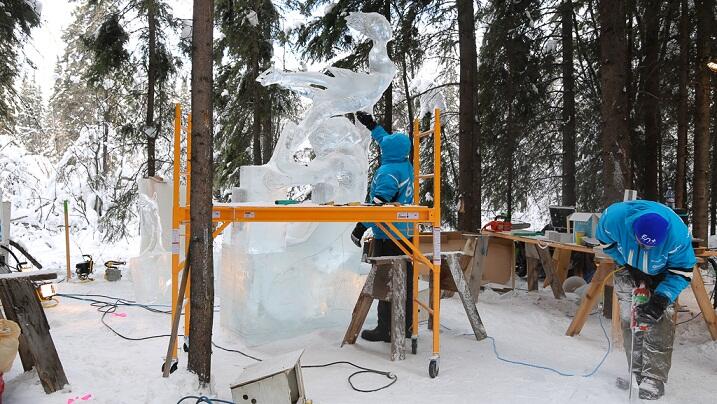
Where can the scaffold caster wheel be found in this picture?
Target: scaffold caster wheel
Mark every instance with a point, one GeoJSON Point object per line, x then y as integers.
{"type": "Point", "coordinates": [172, 368]}
{"type": "Point", "coordinates": [414, 345]}
{"type": "Point", "coordinates": [433, 368]}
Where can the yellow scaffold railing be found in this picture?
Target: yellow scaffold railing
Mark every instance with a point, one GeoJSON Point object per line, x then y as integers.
{"type": "Point", "coordinates": [384, 216]}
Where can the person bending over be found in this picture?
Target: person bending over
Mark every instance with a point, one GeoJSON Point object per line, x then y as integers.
{"type": "Point", "coordinates": [650, 244]}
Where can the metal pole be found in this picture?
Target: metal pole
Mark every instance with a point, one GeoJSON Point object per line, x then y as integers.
{"type": "Point", "coordinates": [67, 241]}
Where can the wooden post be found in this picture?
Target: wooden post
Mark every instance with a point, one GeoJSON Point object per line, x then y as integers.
{"type": "Point", "coordinates": [616, 323]}
{"type": "Point", "coordinates": [708, 313]}
{"type": "Point", "coordinates": [474, 276]}
{"type": "Point", "coordinates": [562, 262]}
{"type": "Point", "coordinates": [171, 349]}
{"type": "Point", "coordinates": [37, 349]}
{"type": "Point", "coordinates": [555, 283]}
{"type": "Point", "coordinates": [591, 297]}
{"type": "Point", "coordinates": [67, 242]}
{"type": "Point", "coordinates": [398, 309]}
{"type": "Point", "coordinates": [466, 298]}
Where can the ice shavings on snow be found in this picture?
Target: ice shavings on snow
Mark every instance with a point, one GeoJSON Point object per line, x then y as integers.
{"type": "Point", "coordinates": [527, 326]}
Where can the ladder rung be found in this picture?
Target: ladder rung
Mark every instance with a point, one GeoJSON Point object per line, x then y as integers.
{"type": "Point", "coordinates": [425, 134]}
{"type": "Point", "coordinates": [425, 176]}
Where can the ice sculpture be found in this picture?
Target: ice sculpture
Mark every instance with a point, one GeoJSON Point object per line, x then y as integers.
{"type": "Point", "coordinates": [151, 271]}
{"type": "Point", "coordinates": [281, 279]}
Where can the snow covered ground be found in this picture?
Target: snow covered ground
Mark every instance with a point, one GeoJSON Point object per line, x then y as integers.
{"type": "Point", "coordinates": [526, 326]}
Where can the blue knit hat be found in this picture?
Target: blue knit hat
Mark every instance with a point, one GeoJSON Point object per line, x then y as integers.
{"type": "Point", "coordinates": [650, 229]}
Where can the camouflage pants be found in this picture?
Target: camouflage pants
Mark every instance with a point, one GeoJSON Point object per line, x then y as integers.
{"type": "Point", "coordinates": [652, 354]}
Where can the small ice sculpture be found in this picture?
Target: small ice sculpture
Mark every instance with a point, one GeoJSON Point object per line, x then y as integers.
{"type": "Point", "coordinates": [282, 279]}
{"type": "Point", "coordinates": [151, 271]}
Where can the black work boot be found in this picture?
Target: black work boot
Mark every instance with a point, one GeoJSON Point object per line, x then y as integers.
{"type": "Point", "coordinates": [624, 384]}
{"type": "Point", "coordinates": [651, 389]}
{"type": "Point", "coordinates": [382, 332]}
{"type": "Point", "coordinates": [377, 334]}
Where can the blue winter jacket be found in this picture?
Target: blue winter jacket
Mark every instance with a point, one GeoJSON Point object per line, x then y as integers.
{"type": "Point", "coordinates": [393, 181]}
{"type": "Point", "coordinates": [674, 258]}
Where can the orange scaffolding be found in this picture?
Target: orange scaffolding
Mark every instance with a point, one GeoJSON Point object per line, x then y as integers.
{"type": "Point", "coordinates": [384, 216]}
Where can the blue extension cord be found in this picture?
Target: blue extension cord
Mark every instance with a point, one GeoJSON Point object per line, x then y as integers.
{"type": "Point", "coordinates": [561, 373]}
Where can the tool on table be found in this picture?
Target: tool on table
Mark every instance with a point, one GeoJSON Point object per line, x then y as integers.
{"type": "Point", "coordinates": [501, 223]}
{"type": "Point", "coordinates": [286, 202]}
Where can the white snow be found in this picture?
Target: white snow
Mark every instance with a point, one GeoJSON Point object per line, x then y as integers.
{"type": "Point", "coordinates": [526, 326]}
{"type": "Point", "coordinates": [251, 18]}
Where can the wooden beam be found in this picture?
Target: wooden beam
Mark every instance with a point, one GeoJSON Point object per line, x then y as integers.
{"type": "Point", "coordinates": [591, 297]}
{"type": "Point", "coordinates": [708, 313]}
{"type": "Point", "coordinates": [22, 306]}
{"type": "Point", "coordinates": [45, 274]}
{"type": "Point", "coordinates": [547, 262]}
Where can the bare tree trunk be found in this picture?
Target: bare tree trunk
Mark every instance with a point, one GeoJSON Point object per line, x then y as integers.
{"type": "Point", "coordinates": [151, 80]}
{"type": "Point", "coordinates": [651, 98]}
{"type": "Point", "coordinates": [202, 274]}
{"type": "Point", "coordinates": [387, 122]}
{"type": "Point", "coordinates": [409, 101]}
{"type": "Point", "coordinates": [568, 111]}
{"type": "Point", "coordinates": [682, 117]}
{"type": "Point", "coordinates": [613, 50]}
{"type": "Point", "coordinates": [267, 141]}
{"type": "Point", "coordinates": [700, 188]}
{"type": "Point", "coordinates": [713, 181]}
{"type": "Point", "coordinates": [634, 164]}
{"type": "Point", "coordinates": [257, 118]}
{"type": "Point", "coordinates": [469, 159]}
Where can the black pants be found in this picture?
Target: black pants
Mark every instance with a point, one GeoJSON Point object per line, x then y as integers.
{"type": "Point", "coordinates": [387, 248]}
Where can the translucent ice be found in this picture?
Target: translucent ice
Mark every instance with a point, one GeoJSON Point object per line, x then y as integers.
{"type": "Point", "coordinates": [151, 271]}
{"type": "Point", "coordinates": [281, 279]}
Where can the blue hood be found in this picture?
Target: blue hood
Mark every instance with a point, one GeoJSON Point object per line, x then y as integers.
{"type": "Point", "coordinates": [395, 147]}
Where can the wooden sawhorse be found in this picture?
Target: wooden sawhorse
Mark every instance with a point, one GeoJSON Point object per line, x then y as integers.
{"type": "Point", "coordinates": [387, 282]}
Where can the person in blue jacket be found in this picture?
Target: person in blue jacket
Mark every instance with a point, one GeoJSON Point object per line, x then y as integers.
{"type": "Point", "coordinates": [651, 244]}
{"type": "Point", "coordinates": [392, 182]}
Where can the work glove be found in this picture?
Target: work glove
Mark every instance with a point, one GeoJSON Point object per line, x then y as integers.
{"type": "Point", "coordinates": [366, 119]}
{"type": "Point", "coordinates": [357, 233]}
{"type": "Point", "coordinates": [651, 312]}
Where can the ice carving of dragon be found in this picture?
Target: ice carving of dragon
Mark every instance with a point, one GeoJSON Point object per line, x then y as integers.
{"type": "Point", "coordinates": [296, 276]}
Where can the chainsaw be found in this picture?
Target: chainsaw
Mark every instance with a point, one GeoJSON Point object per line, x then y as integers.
{"type": "Point", "coordinates": [501, 223]}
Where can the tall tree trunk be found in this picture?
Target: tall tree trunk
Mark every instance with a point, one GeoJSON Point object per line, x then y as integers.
{"type": "Point", "coordinates": [151, 132]}
{"type": "Point", "coordinates": [651, 98]}
{"type": "Point", "coordinates": [257, 115]}
{"type": "Point", "coordinates": [613, 50]}
{"type": "Point", "coordinates": [682, 108]}
{"type": "Point", "coordinates": [267, 141]}
{"type": "Point", "coordinates": [202, 274]}
{"type": "Point", "coordinates": [469, 159]}
{"type": "Point", "coordinates": [409, 104]}
{"type": "Point", "coordinates": [387, 122]}
{"type": "Point", "coordinates": [568, 111]}
{"type": "Point", "coordinates": [713, 180]}
{"type": "Point", "coordinates": [700, 188]}
{"type": "Point", "coordinates": [634, 163]}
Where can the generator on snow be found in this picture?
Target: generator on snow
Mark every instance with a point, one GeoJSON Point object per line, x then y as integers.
{"type": "Point", "coordinates": [112, 271]}
{"type": "Point", "coordinates": [84, 269]}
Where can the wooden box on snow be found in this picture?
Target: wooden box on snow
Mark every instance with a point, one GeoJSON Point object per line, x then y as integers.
{"type": "Point", "coordinates": [276, 380]}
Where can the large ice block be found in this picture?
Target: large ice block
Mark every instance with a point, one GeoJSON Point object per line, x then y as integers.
{"type": "Point", "coordinates": [283, 279]}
